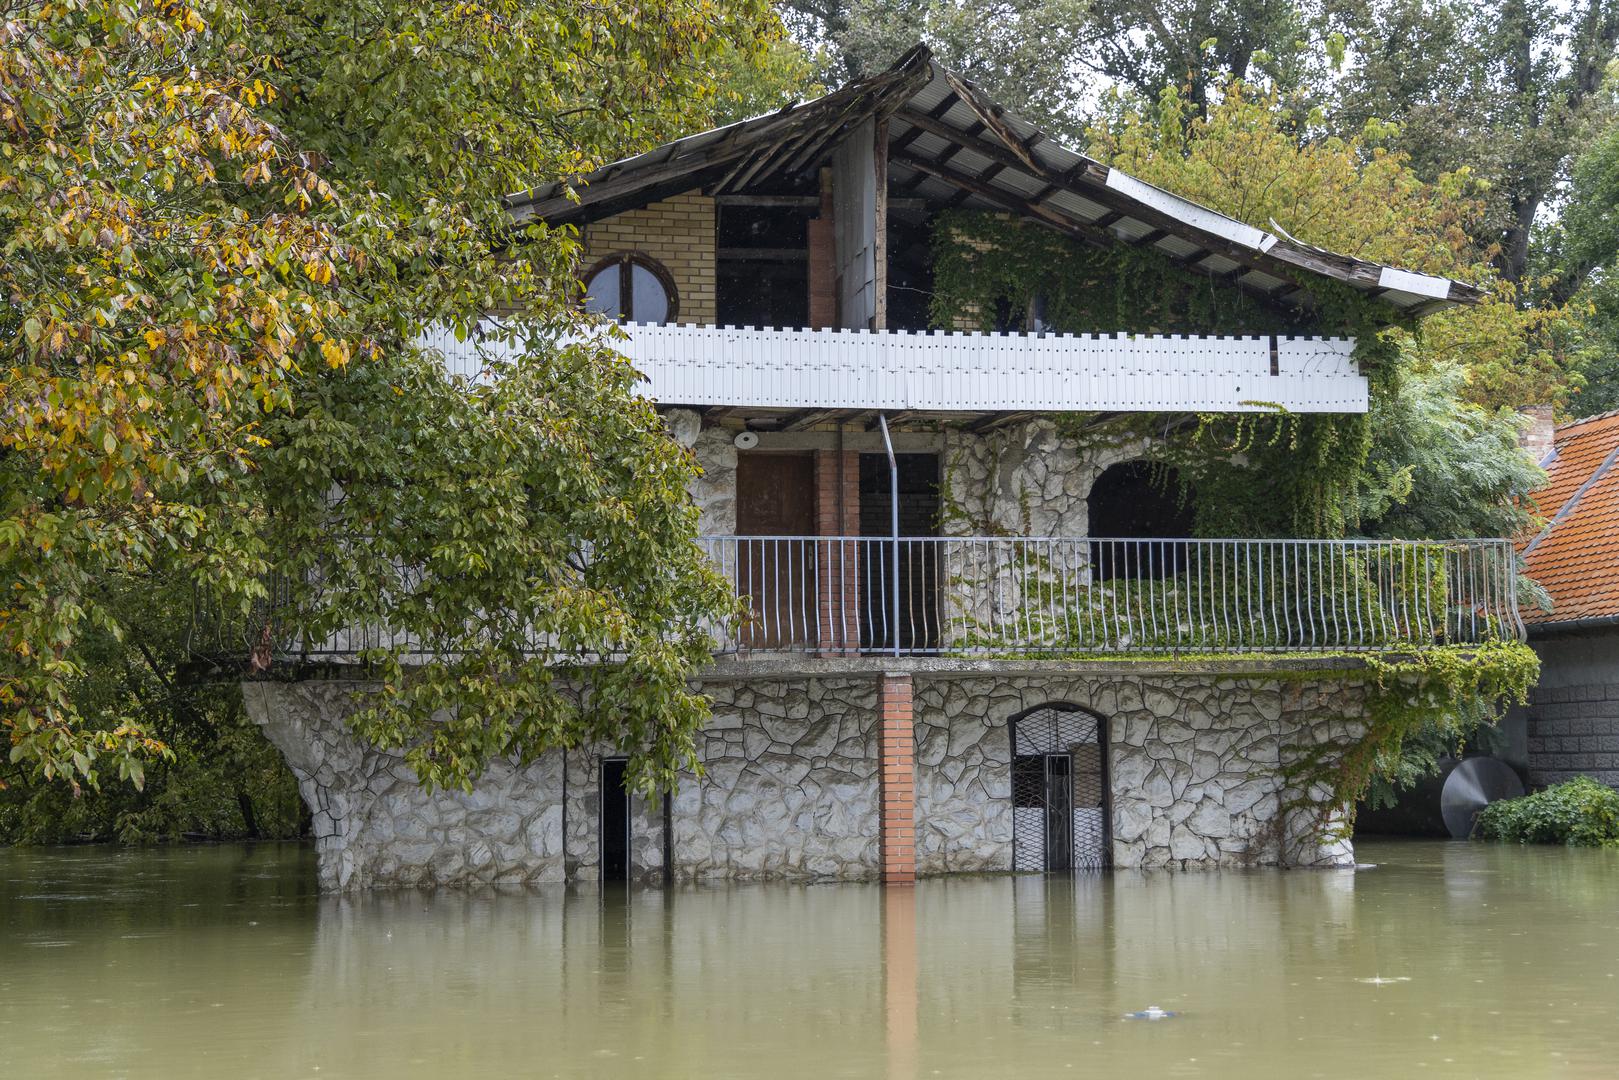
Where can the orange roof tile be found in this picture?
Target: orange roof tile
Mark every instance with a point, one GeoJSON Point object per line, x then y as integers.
{"type": "Point", "coordinates": [1576, 557]}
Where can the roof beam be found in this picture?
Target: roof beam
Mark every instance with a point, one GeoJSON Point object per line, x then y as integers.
{"type": "Point", "coordinates": [978, 186]}
{"type": "Point", "coordinates": [990, 114]}
{"type": "Point", "coordinates": [798, 202]}
{"type": "Point", "coordinates": [1096, 191]}
{"type": "Point", "coordinates": [1056, 219]}
{"type": "Point", "coordinates": [936, 112]}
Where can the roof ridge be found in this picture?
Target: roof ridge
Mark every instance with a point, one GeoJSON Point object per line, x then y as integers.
{"type": "Point", "coordinates": [1568, 507]}
{"type": "Point", "coordinates": [1593, 418]}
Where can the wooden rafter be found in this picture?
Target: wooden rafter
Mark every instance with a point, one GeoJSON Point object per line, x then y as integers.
{"type": "Point", "coordinates": [1044, 213]}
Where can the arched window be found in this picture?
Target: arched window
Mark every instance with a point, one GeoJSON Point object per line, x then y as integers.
{"type": "Point", "coordinates": [631, 287]}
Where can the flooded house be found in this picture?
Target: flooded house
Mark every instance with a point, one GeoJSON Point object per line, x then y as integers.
{"type": "Point", "coordinates": [978, 640]}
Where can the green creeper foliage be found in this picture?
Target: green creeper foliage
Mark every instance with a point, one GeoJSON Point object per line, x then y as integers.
{"type": "Point", "coordinates": [1581, 812]}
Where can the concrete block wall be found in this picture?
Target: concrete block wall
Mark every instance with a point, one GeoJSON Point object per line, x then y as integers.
{"type": "Point", "coordinates": [678, 232]}
{"type": "Point", "coordinates": [1572, 718]}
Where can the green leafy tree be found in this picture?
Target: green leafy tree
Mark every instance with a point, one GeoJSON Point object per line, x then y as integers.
{"type": "Point", "coordinates": [224, 227]}
{"type": "Point", "coordinates": [1440, 466]}
{"type": "Point", "coordinates": [1353, 193]}
{"type": "Point", "coordinates": [1508, 90]}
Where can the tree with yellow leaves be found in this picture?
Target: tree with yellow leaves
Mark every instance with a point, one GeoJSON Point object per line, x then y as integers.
{"type": "Point", "coordinates": [223, 227]}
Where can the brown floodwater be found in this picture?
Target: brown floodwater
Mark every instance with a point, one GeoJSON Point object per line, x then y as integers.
{"type": "Point", "coordinates": [1446, 960]}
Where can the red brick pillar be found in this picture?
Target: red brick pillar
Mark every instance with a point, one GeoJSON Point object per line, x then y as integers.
{"type": "Point", "coordinates": [896, 749]}
{"type": "Point", "coordinates": [837, 513]}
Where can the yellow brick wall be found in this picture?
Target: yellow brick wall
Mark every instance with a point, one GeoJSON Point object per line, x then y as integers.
{"type": "Point", "coordinates": [679, 233]}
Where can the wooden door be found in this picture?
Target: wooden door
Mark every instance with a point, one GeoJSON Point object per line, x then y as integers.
{"type": "Point", "coordinates": [775, 505]}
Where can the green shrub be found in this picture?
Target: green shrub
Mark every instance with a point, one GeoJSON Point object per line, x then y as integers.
{"type": "Point", "coordinates": [1581, 812]}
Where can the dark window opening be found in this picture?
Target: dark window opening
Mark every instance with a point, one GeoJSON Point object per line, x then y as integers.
{"type": "Point", "coordinates": [615, 821]}
{"type": "Point", "coordinates": [919, 566]}
{"type": "Point", "coordinates": [910, 273]}
{"type": "Point", "coordinates": [1137, 511]}
{"type": "Point", "coordinates": [762, 266]}
{"type": "Point", "coordinates": [1010, 317]}
{"type": "Point", "coordinates": [631, 287]}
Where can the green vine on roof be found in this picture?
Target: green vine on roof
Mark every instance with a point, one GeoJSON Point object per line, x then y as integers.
{"type": "Point", "coordinates": [1257, 474]}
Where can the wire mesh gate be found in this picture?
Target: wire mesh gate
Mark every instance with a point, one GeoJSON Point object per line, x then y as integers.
{"type": "Point", "coordinates": [1060, 817]}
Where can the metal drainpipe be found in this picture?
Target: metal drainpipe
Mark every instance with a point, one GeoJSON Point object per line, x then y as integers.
{"type": "Point", "coordinates": [893, 517]}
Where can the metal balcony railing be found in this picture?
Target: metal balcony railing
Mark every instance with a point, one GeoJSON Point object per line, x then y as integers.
{"type": "Point", "coordinates": [1033, 596]}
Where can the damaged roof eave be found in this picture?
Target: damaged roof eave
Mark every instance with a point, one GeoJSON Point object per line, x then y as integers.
{"type": "Point", "coordinates": [1024, 171]}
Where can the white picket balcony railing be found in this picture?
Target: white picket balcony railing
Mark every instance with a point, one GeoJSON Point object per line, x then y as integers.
{"type": "Point", "coordinates": [972, 372]}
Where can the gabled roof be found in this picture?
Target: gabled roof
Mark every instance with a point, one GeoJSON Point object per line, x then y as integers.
{"type": "Point", "coordinates": [1576, 556]}
{"type": "Point", "coordinates": [948, 142]}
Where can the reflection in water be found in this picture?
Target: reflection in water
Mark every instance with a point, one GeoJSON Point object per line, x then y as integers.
{"type": "Point", "coordinates": [1448, 959]}
{"type": "Point", "coordinates": [899, 979]}
{"type": "Point", "coordinates": [1061, 938]}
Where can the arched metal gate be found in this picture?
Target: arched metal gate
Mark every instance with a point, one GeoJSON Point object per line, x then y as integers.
{"type": "Point", "coordinates": [1060, 818]}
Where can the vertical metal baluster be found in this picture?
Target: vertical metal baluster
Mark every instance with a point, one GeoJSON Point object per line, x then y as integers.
{"type": "Point", "coordinates": [910, 591]}
{"type": "Point", "coordinates": [795, 596]}
{"type": "Point", "coordinates": [868, 568]}
{"type": "Point", "coordinates": [1055, 595]}
{"type": "Point", "coordinates": [1357, 628]}
{"type": "Point", "coordinates": [774, 585]}
{"type": "Point", "coordinates": [819, 598]}
{"type": "Point", "coordinates": [1199, 634]}
{"type": "Point", "coordinates": [1476, 588]}
{"type": "Point", "coordinates": [1076, 611]}
{"type": "Point", "coordinates": [1310, 606]}
{"type": "Point", "coordinates": [1132, 585]}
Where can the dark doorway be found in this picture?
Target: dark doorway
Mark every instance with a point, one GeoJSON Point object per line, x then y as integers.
{"type": "Point", "coordinates": [1136, 509]}
{"type": "Point", "coordinates": [775, 565]}
{"type": "Point", "coordinates": [615, 821]}
{"type": "Point", "coordinates": [918, 615]}
{"type": "Point", "coordinates": [1060, 805]}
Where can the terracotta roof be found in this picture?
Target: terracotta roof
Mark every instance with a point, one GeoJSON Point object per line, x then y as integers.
{"type": "Point", "coordinates": [1576, 556]}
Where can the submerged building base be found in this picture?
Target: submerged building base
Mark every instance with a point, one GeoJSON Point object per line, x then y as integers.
{"type": "Point", "coordinates": [859, 770]}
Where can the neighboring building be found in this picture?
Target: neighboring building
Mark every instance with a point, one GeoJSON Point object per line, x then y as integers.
{"type": "Point", "coordinates": [904, 706]}
{"type": "Point", "coordinates": [1573, 714]}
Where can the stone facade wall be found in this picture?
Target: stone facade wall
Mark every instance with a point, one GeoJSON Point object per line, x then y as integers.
{"type": "Point", "coordinates": [714, 491]}
{"type": "Point", "coordinates": [1022, 480]}
{"type": "Point", "coordinates": [1194, 767]}
{"type": "Point", "coordinates": [791, 785]}
{"type": "Point", "coordinates": [373, 823]}
{"type": "Point", "coordinates": [1572, 718]}
{"type": "Point", "coordinates": [679, 233]}
{"type": "Point", "coordinates": [790, 789]}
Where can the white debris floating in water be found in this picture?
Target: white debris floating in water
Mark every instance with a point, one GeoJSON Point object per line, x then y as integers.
{"type": "Point", "coordinates": [1378, 980]}
{"type": "Point", "coordinates": [1151, 1012]}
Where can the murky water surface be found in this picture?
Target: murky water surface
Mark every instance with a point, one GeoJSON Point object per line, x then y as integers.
{"type": "Point", "coordinates": [1445, 960]}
